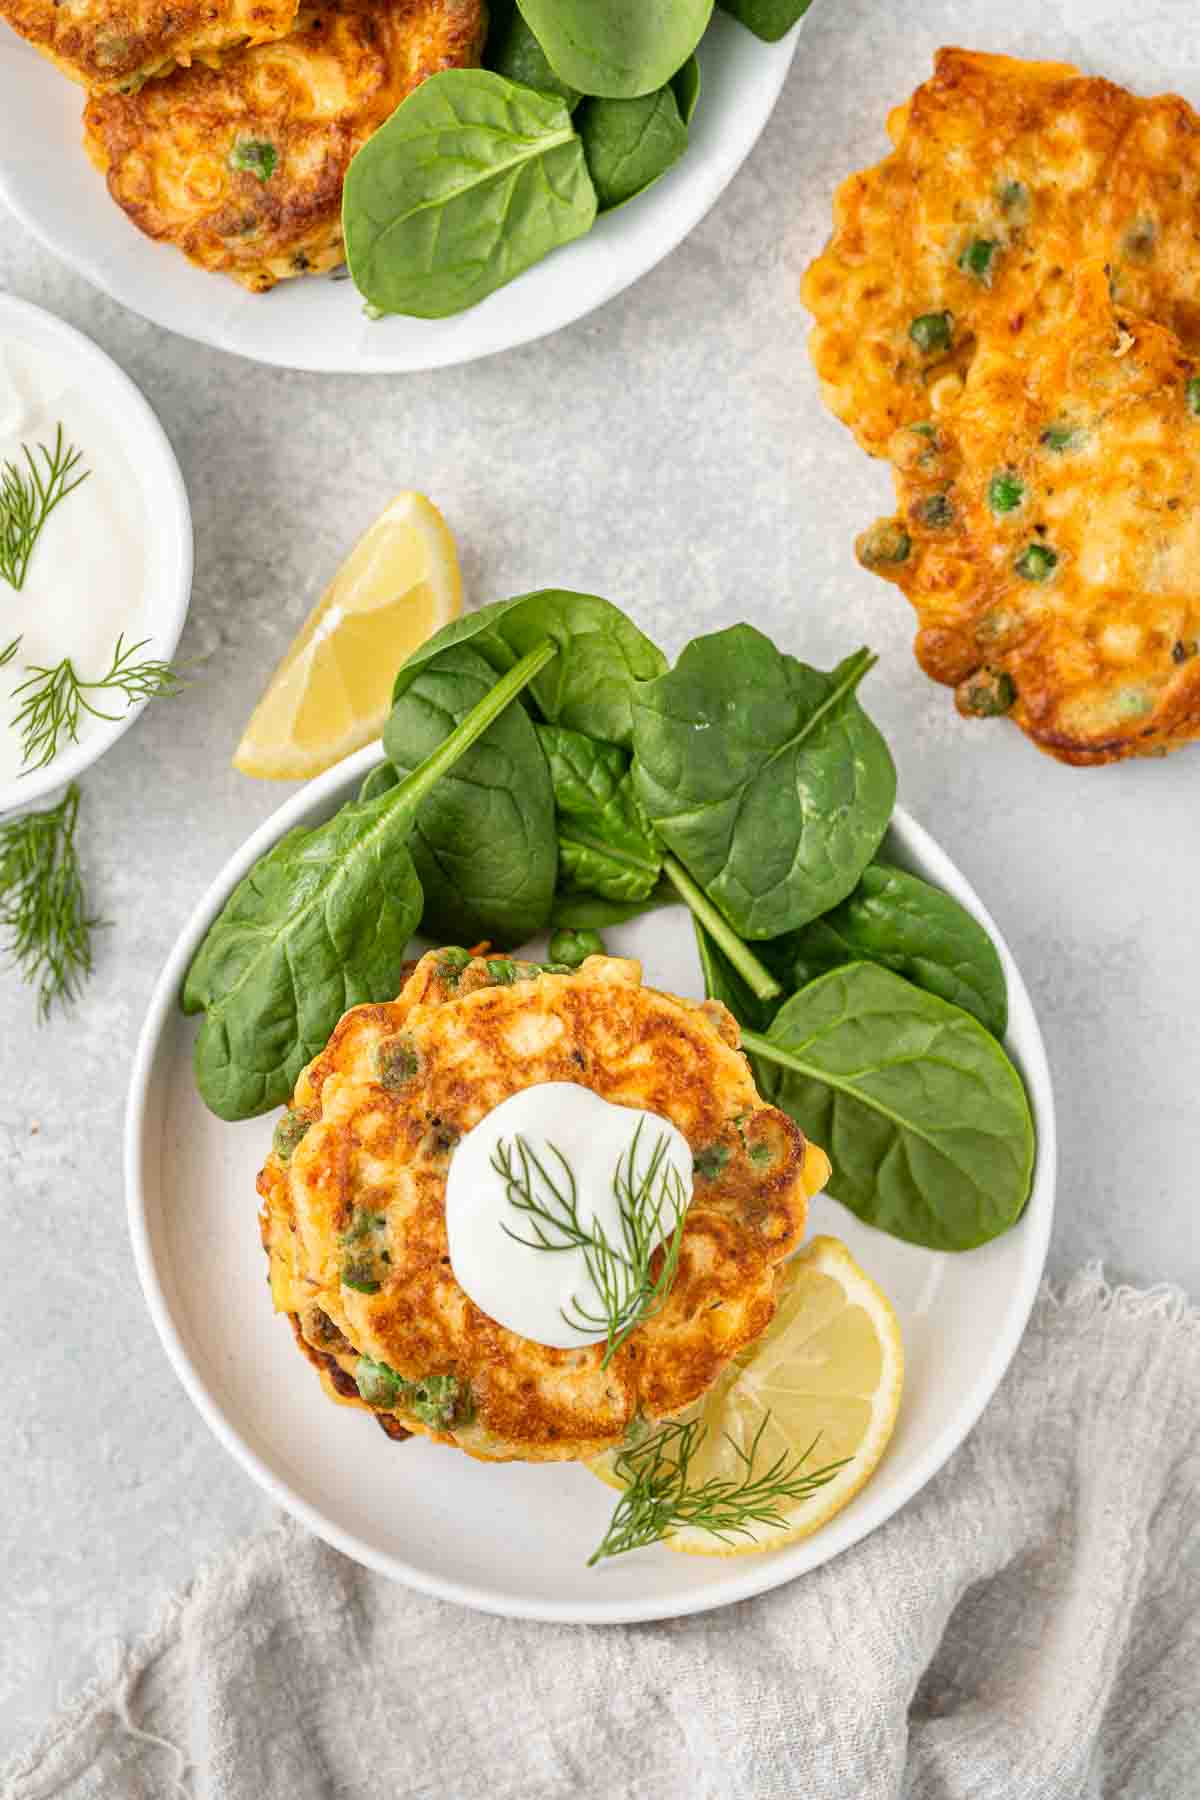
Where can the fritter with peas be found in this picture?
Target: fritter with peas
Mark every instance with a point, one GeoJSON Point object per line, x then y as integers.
{"type": "Point", "coordinates": [1007, 309]}
{"type": "Point", "coordinates": [241, 166]}
{"type": "Point", "coordinates": [354, 1202]}
{"type": "Point", "coordinates": [116, 45]}
{"type": "Point", "coordinates": [1006, 175]}
{"type": "Point", "coordinates": [1048, 534]}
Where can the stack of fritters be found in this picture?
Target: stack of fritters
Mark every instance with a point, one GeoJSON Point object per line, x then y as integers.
{"type": "Point", "coordinates": [354, 1203]}
{"type": "Point", "coordinates": [1009, 309]}
{"type": "Point", "coordinates": [227, 129]}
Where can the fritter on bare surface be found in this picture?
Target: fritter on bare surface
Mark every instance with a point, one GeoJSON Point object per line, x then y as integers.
{"type": "Point", "coordinates": [1048, 535]}
{"type": "Point", "coordinates": [376, 1118]}
{"type": "Point", "coordinates": [1006, 176]}
{"type": "Point", "coordinates": [242, 166]}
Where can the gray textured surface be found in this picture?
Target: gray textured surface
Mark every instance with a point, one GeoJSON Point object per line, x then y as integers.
{"type": "Point", "coordinates": [669, 451]}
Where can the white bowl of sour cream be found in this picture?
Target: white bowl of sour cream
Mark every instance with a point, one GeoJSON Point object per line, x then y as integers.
{"type": "Point", "coordinates": [112, 560]}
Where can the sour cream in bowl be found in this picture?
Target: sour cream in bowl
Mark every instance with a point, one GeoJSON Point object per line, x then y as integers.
{"type": "Point", "coordinates": [111, 562]}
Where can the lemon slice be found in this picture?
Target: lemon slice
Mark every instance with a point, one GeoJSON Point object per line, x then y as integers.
{"type": "Point", "coordinates": [332, 691]}
{"type": "Point", "coordinates": [829, 1368]}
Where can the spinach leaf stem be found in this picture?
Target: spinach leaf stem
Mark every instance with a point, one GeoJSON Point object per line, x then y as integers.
{"type": "Point", "coordinates": [758, 978]}
{"type": "Point", "coordinates": [755, 1044]}
{"type": "Point", "coordinates": [412, 790]}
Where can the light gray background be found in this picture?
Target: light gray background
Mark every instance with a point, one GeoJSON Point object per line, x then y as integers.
{"type": "Point", "coordinates": [671, 452]}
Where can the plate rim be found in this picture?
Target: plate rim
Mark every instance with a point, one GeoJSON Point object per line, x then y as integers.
{"type": "Point", "coordinates": [167, 490]}
{"type": "Point", "coordinates": [748, 1575]}
{"type": "Point", "coordinates": [452, 352]}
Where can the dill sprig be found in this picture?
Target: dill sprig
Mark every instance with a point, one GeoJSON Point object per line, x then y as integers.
{"type": "Point", "coordinates": [43, 908]}
{"type": "Point", "coordinates": [657, 1499]}
{"type": "Point", "coordinates": [56, 697]}
{"type": "Point", "coordinates": [27, 498]}
{"type": "Point", "coordinates": [651, 1205]}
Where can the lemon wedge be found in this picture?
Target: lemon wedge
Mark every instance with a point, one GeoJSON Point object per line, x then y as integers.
{"type": "Point", "coordinates": [826, 1378]}
{"type": "Point", "coordinates": [332, 691]}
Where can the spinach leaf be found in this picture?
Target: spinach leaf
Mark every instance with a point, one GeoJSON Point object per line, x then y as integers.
{"type": "Point", "coordinates": [605, 844]}
{"type": "Point", "coordinates": [686, 82]}
{"type": "Point", "coordinates": [321, 923]}
{"type": "Point", "coordinates": [590, 912]}
{"type": "Point", "coordinates": [589, 686]}
{"type": "Point", "coordinates": [628, 144]}
{"type": "Point", "coordinates": [483, 839]}
{"type": "Point", "coordinates": [764, 776]}
{"type": "Point", "coordinates": [380, 780]}
{"type": "Point", "coordinates": [294, 947]}
{"type": "Point", "coordinates": [617, 48]}
{"type": "Point", "coordinates": [471, 181]}
{"type": "Point", "coordinates": [722, 982]}
{"type": "Point", "coordinates": [923, 1116]}
{"type": "Point", "coordinates": [769, 19]}
{"type": "Point", "coordinates": [895, 919]}
{"type": "Point", "coordinates": [514, 52]}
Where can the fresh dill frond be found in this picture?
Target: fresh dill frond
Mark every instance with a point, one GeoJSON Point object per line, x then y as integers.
{"type": "Point", "coordinates": [53, 699]}
{"type": "Point", "coordinates": [27, 498]}
{"type": "Point", "coordinates": [43, 909]}
{"type": "Point", "coordinates": [651, 1205]}
{"type": "Point", "coordinates": [657, 1499]}
{"type": "Point", "coordinates": [9, 651]}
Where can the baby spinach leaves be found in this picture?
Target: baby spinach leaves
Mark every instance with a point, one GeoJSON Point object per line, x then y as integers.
{"type": "Point", "coordinates": [722, 982]}
{"type": "Point", "coordinates": [686, 83]}
{"type": "Point", "coordinates": [922, 1114]}
{"type": "Point", "coordinates": [483, 839]}
{"type": "Point", "coordinates": [630, 143]}
{"type": "Point", "coordinates": [590, 685]}
{"type": "Point", "coordinates": [381, 779]}
{"type": "Point", "coordinates": [472, 180]}
{"type": "Point", "coordinates": [764, 776]}
{"type": "Point", "coordinates": [887, 1055]}
{"type": "Point", "coordinates": [294, 947]}
{"type": "Point", "coordinates": [479, 173]}
{"type": "Point", "coordinates": [767, 19]}
{"type": "Point", "coordinates": [514, 52]}
{"type": "Point", "coordinates": [320, 924]}
{"type": "Point", "coordinates": [617, 48]}
{"type": "Point", "coordinates": [897, 920]}
{"type": "Point", "coordinates": [605, 844]}
{"type": "Point", "coordinates": [757, 792]}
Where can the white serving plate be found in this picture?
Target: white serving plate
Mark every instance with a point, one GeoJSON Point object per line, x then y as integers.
{"type": "Point", "coordinates": [48, 182]}
{"type": "Point", "coordinates": [165, 510]}
{"type": "Point", "coordinates": [514, 1538]}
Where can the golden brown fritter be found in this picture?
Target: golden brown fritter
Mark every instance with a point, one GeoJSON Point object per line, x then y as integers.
{"type": "Point", "coordinates": [335, 1365]}
{"type": "Point", "coordinates": [1005, 177]}
{"type": "Point", "coordinates": [398, 1086]}
{"type": "Point", "coordinates": [115, 45]}
{"type": "Point", "coordinates": [242, 166]}
{"type": "Point", "coordinates": [1048, 535]}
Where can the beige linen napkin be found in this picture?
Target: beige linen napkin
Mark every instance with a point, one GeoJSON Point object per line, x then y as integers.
{"type": "Point", "coordinates": [1027, 1629]}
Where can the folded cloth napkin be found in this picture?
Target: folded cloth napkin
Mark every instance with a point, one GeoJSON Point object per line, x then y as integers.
{"type": "Point", "coordinates": [1027, 1628]}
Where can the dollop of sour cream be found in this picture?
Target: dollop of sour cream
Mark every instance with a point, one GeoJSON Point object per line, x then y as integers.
{"type": "Point", "coordinates": [87, 578]}
{"type": "Point", "coordinates": [533, 1291]}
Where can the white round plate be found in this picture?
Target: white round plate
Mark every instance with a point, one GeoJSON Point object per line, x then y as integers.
{"type": "Point", "coordinates": [514, 1538]}
{"type": "Point", "coordinates": [100, 387]}
{"type": "Point", "coordinates": [319, 324]}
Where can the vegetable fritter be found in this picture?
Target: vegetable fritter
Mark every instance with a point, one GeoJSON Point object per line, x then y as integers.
{"type": "Point", "coordinates": [1008, 310]}
{"type": "Point", "coordinates": [1048, 535]}
{"type": "Point", "coordinates": [354, 1213]}
{"type": "Point", "coordinates": [116, 45]}
{"type": "Point", "coordinates": [1005, 177]}
{"type": "Point", "coordinates": [242, 166]}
